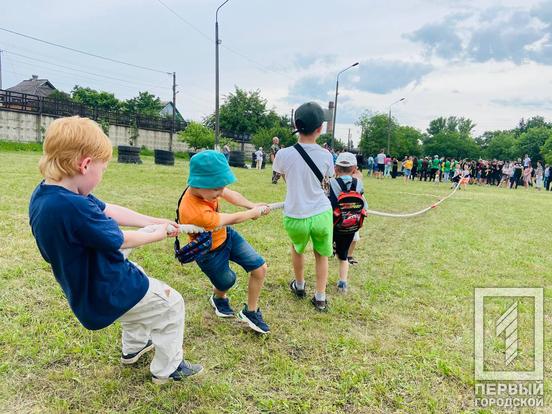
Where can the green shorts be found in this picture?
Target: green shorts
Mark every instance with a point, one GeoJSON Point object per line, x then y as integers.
{"type": "Point", "coordinates": [319, 228]}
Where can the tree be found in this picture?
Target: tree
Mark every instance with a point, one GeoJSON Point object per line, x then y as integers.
{"type": "Point", "coordinates": [60, 96]}
{"type": "Point", "coordinates": [105, 101]}
{"type": "Point", "coordinates": [407, 142]}
{"type": "Point", "coordinates": [263, 137]}
{"type": "Point", "coordinates": [546, 150]}
{"type": "Point", "coordinates": [500, 145]}
{"type": "Point", "coordinates": [145, 104]}
{"type": "Point", "coordinates": [327, 139]}
{"type": "Point", "coordinates": [451, 144]}
{"type": "Point", "coordinates": [531, 141]}
{"type": "Point", "coordinates": [374, 132]}
{"type": "Point", "coordinates": [244, 112]}
{"type": "Point", "coordinates": [197, 136]}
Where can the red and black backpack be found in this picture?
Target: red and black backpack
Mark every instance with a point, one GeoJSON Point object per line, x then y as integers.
{"type": "Point", "coordinates": [349, 209]}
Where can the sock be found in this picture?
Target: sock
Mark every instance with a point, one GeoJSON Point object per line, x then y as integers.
{"type": "Point", "coordinates": [320, 296]}
{"type": "Point", "coordinates": [300, 285]}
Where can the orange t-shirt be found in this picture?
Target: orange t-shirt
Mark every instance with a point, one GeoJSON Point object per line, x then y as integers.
{"type": "Point", "coordinates": [202, 213]}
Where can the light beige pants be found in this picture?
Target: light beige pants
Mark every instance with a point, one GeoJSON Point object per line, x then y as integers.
{"type": "Point", "coordinates": [159, 316]}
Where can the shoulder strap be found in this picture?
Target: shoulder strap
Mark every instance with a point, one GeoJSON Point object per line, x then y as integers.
{"type": "Point", "coordinates": [178, 204]}
{"type": "Point", "coordinates": [354, 184]}
{"type": "Point", "coordinates": [309, 162]}
{"type": "Point", "coordinates": [333, 198]}
{"type": "Point", "coordinates": [342, 184]}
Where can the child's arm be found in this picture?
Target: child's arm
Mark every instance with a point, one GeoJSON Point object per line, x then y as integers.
{"type": "Point", "coordinates": [235, 198]}
{"type": "Point", "coordinates": [135, 238]}
{"type": "Point", "coordinates": [127, 217]}
{"type": "Point", "coordinates": [242, 216]}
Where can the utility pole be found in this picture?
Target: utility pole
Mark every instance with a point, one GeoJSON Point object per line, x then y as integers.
{"type": "Point", "coordinates": [292, 123]}
{"type": "Point", "coordinates": [1, 68]}
{"type": "Point", "coordinates": [217, 110]}
{"type": "Point", "coordinates": [349, 141]}
{"type": "Point", "coordinates": [173, 127]}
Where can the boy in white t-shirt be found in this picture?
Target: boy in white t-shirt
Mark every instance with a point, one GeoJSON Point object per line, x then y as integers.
{"type": "Point", "coordinates": [307, 210]}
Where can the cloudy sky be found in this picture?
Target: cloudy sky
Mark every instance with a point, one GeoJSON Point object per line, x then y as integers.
{"type": "Point", "coordinates": [487, 60]}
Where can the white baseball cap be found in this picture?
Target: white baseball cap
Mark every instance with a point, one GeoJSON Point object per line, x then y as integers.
{"type": "Point", "coordinates": [346, 159]}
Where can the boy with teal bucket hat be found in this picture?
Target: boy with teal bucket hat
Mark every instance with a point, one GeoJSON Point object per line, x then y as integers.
{"type": "Point", "coordinates": [209, 177]}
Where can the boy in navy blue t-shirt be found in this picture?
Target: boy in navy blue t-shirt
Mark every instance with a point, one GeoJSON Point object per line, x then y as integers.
{"type": "Point", "coordinates": [79, 236]}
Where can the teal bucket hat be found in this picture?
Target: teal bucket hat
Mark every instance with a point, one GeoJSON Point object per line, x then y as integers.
{"type": "Point", "coordinates": [209, 169]}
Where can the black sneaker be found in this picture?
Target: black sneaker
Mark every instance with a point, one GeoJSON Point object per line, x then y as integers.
{"type": "Point", "coordinates": [185, 369]}
{"type": "Point", "coordinates": [300, 293]}
{"type": "Point", "coordinates": [129, 359]}
{"type": "Point", "coordinates": [254, 319]}
{"type": "Point", "coordinates": [222, 307]}
{"type": "Point", "coordinates": [352, 260]}
{"type": "Point", "coordinates": [320, 305]}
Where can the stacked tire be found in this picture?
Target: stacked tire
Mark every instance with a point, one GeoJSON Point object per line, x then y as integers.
{"type": "Point", "coordinates": [129, 155]}
{"type": "Point", "coordinates": [236, 159]}
{"type": "Point", "coordinates": [163, 157]}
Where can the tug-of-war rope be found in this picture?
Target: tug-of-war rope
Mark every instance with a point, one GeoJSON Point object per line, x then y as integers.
{"type": "Point", "coordinates": [190, 228]}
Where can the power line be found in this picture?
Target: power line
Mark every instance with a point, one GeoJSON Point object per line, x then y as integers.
{"type": "Point", "coordinates": [70, 76]}
{"type": "Point", "coordinates": [257, 64]}
{"type": "Point", "coordinates": [83, 52]}
{"type": "Point", "coordinates": [84, 71]}
{"type": "Point", "coordinates": [186, 21]}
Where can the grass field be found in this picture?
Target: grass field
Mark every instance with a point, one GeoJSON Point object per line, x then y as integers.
{"type": "Point", "coordinates": [400, 341]}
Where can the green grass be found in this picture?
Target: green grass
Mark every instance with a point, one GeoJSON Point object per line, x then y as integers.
{"type": "Point", "coordinates": [400, 341]}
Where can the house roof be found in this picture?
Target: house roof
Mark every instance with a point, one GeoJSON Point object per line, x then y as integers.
{"type": "Point", "coordinates": [34, 86]}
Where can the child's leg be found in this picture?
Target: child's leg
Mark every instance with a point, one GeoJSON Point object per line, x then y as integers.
{"type": "Point", "coordinates": [159, 316]}
{"type": "Point", "coordinates": [298, 261]}
{"type": "Point", "coordinates": [256, 281]}
{"type": "Point", "coordinates": [343, 270]}
{"type": "Point", "coordinates": [321, 273]}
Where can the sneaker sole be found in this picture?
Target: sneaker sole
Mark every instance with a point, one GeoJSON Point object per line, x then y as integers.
{"type": "Point", "coordinates": [137, 357]}
{"type": "Point", "coordinates": [161, 381]}
{"type": "Point", "coordinates": [243, 318]}
{"type": "Point", "coordinates": [219, 314]}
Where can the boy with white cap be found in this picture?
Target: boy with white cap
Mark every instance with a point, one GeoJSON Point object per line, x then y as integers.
{"type": "Point", "coordinates": [344, 181]}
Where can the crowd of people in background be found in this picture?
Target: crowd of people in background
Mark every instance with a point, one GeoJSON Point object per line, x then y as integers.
{"type": "Point", "coordinates": [508, 174]}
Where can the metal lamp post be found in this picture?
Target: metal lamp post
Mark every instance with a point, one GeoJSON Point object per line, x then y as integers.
{"type": "Point", "coordinates": [335, 102]}
{"type": "Point", "coordinates": [217, 43]}
{"type": "Point", "coordinates": [389, 124]}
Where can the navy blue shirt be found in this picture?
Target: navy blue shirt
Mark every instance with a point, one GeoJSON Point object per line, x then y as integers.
{"type": "Point", "coordinates": [82, 245]}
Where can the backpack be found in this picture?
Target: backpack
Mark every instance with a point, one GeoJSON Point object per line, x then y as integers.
{"type": "Point", "coordinates": [349, 210]}
{"type": "Point", "coordinates": [194, 249]}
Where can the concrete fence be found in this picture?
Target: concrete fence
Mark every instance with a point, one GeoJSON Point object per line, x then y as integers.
{"type": "Point", "coordinates": [25, 127]}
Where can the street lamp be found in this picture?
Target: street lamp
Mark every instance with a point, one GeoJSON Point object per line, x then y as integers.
{"type": "Point", "coordinates": [217, 43]}
{"type": "Point", "coordinates": [335, 102]}
{"type": "Point", "coordinates": [389, 124]}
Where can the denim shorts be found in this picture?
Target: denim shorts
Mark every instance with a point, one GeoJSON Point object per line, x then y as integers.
{"type": "Point", "coordinates": [216, 263]}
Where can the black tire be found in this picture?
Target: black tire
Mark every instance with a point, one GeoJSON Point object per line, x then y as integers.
{"type": "Point", "coordinates": [236, 159]}
{"type": "Point", "coordinates": [163, 157]}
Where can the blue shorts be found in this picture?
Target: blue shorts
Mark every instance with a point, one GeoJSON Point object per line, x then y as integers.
{"type": "Point", "coordinates": [406, 172]}
{"type": "Point", "coordinates": [216, 263]}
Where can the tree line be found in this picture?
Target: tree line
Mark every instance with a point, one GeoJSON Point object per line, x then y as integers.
{"type": "Point", "coordinates": [247, 112]}
{"type": "Point", "coordinates": [453, 137]}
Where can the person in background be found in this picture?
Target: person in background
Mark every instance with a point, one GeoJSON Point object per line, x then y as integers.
{"type": "Point", "coordinates": [380, 158]}
{"type": "Point", "coordinates": [259, 155]}
{"type": "Point", "coordinates": [226, 152]}
{"type": "Point", "coordinates": [274, 148]}
{"type": "Point", "coordinates": [370, 165]}
{"type": "Point", "coordinates": [539, 173]}
{"type": "Point", "coordinates": [407, 168]}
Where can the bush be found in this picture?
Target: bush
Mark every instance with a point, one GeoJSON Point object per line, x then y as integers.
{"type": "Point", "coordinates": [20, 146]}
{"type": "Point", "coordinates": [197, 136]}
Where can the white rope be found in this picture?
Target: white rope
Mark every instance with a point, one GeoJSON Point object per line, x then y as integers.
{"type": "Point", "coordinates": [190, 228]}
{"type": "Point", "coordinates": [414, 214]}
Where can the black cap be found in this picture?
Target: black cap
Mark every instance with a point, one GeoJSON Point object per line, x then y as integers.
{"type": "Point", "coordinates": [308, 117]}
